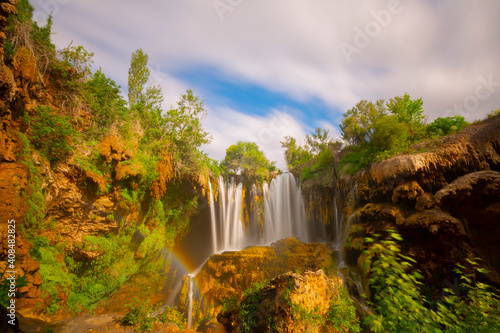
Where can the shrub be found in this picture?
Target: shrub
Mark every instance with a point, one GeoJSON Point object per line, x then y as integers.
{"type": "Point", "coordinates": [399, 303]}
{"type": "Point", "coordinates": [447, 125]}
{"type": "Point", "coordinates": [51, 133]}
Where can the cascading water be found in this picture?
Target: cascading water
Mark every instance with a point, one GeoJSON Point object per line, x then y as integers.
{"type": "Point", "coordinates": [283, 214]}
{"type": "Point", "coordinates": [212, 219]}
{"type": "Point", "coordinates": [190, 300]}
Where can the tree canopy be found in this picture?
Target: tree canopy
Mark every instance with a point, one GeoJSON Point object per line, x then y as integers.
{"type": "Point", "coordinates": [247, 159]}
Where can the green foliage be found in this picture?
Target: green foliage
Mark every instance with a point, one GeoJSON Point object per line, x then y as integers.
{"type": "Point", "coordinates": [56, 277]}
{"type": "Point", "coordinates": [319, 141]}
{"type": "Point", "coordinates": [229, 303]}
{"type": "Point", "coordinates": [356, 160]}
{"type": "Point", "coordinates": [447, 125]}
{"type": "Point", "coordinates": [294, 154]}
{"type": "Point", "coordinates": [104, 97]}
{"type": "Point", "coordinates": [399, 303]}
{"type": "Point", "coordinates": [5, 286]}
{"type": "Point", "coordinates": [388, 133]}
{"type": "Point", "coordinates": [357, 126]}
{"type": "Point", "coordinates": [78, 58]}
{"type": "Point", "coordinates": [172, 315]}
{"type": "Point", "coordinates": [138, 76]}
{"type": "Point", "coordinates": [34, 217]}
{"type": "Point", "coordinates": [42, 35]}
{"type": "Point", "coordinates": [321, 170]}
{"type": "Point", "coordinates": [51, 133]}
{"type": "Point", "coordinates": [341, 314]}
{"type": "Point", "coordinates": [186, 132]}
{"type": "Point", "coordinates": [409, 112]}
{"type": "Point", "coordinates": [375, 134]}
{"type": "Point", "coordinates": [479, 310]}
{"type": "Point", "coordinates": [494, 113]}
{"type": "Point", "coordinates": [248, 307]}
{"type": "Point", "coordinates": [246, 158]}
{"type": "Point", "coordinates": [138, 314]}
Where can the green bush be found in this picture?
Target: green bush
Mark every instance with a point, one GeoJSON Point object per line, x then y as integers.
{"type": "Point", "coordinates": [248, 307]}
{"type": "Point", "coordinates": [342, 314]}
{"type": "Point", "coordinates": [51, 133]}
{"type": "Point", "coordinates": [138, 314]}
{"type": "Point", "coordinates": [172, 315]}
{"type": "Point", "coordinates": [447, 125]}
{"type": "Point", "coordinates": [399, 303]}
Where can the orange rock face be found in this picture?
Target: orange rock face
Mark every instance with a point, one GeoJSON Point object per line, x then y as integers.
{"type": "Point", "coordinates": [290, 303]}
{"type": "Point", "coordinates": [230, 273]}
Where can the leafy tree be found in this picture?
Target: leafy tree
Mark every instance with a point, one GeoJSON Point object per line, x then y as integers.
{"type": "Point", "coordinates": [138, 76]}
{"type": "Point", "coordinates": [294, 154]}
{"type": "Point", "coordinates": [103, 95]}
{"type": "Point", "coordinates": [186, 131]}
{"type": "Point", "coordinates": [319, 141]}
{"type": "Point", "coordinates": [388, 132]}
{"type": "Point", "coordinates": [51, 133]}
{"type": "Point", "coordinates": [246, 158]}
{"type": "Point", "coordinates": [447, 125]}
{"type": "Point", "coordinates": [409, 112]}
{"type": "Point", "coordinates": [357, 124]}
{"type": "Point", "coordinates": [77, 57]}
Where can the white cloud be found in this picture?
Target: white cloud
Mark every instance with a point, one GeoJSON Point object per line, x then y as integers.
{"type": "Point", "coordinates": [431, 49]}
{"type": "Point", "coordinates": [229, 126]}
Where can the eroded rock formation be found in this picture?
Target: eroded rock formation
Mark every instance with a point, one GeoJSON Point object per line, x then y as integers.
{"type": "Point", "coordinates": [230, 273]}
{"type": "Point", "coordinates": [285, 301]}
{"type": "Point", "coordinates": [445, 202]}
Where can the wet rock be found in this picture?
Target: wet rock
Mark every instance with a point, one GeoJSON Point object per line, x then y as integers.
{"type": "Point", "coordinates": [426, 201]}
{"type": "Point", "coordinates": [407, 191]}
{"type": "Point", "coordinates": [285, 302]}
{"type": "Point", "coordinates": [230, 273]}
{"type": "Point", "coordinates": [435, 220]}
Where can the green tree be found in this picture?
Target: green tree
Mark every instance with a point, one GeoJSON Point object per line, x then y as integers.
{"type": "Point", "coordinates": [246, 158]}
{"type": "Point", "coordinates": [357, 123]}
{"type": "Point", "coordinates": [294, 154]}
{"type": "Point", "coordinates": [138, 76]}
{"type": "Point", "coordinates": [388, 132]}
{"type": "Point", "coordinates": [319, 141]}
{"type": "Point", "coordinates": [186, 130]}
{"type": "Point", "coordinates": [409, 112]}
{"type": "Point", "coordinates": [103, 95]}
{"type": "Point", "coordinates": [447, 125]}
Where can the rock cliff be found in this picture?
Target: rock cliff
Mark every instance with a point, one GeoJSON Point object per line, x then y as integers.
{"type": "Point", "coordinates": [230, 273]}
{"type": "Point", "coordinates": [290, 303]}
{"type": "Point", "coordinates": [444, 201]}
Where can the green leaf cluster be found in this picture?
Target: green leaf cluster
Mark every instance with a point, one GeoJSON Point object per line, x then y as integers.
{"type": "Point", "coordinates": [400, 305]}
{"type": "Point", "coordinates": [51, 133]}
{"type": "Point", "coordinates": [247, 159]}
{"type": "Point", "coordinates": [446, 125]}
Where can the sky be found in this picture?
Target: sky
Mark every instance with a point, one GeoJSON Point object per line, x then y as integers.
{"type": "Point", "coordinates": [271, 68]}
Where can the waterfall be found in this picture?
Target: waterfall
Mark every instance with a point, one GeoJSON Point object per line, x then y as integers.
{"type": "Point", "coordinates": [283, 208]}
{"type": "Point", "coordinates": [212, 220]}
{"type": "Point", "coordinates": [190, 301]}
